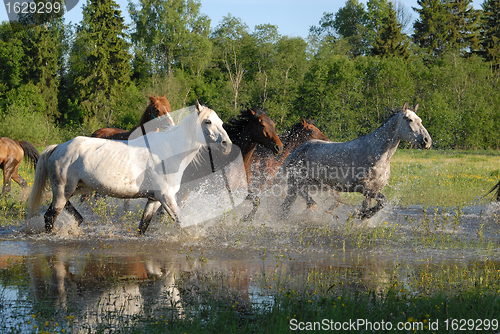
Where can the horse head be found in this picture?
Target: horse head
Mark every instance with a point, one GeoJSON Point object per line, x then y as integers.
{"type": "Point", "coordinates": [412, 129]}
{"type": "Point", "coordinates": [159, 110]}
{"type": "Point", "coordinates": [311, 131]}
{"type": "Point", "coordinates": [212, 129]}
{"type": "Point", "coordinates": [262, 130]}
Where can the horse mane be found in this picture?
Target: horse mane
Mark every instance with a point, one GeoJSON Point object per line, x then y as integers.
{"type": "Point", "coordinates": [394, 113]}
{"type": "Point", "coordinates": [236, 124]}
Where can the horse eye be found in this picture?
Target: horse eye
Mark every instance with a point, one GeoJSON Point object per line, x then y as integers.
{"type": "Point", "coordinates": [208, 121]}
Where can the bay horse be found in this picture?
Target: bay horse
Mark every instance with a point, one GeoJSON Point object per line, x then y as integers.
{"type": "Point", "coordinates": [158, 109]}
{"type": "Point", "coordinates": [126, 169]}
{"type": "Point", "coordinates": [11, 155]}
{"type": "Point", "coordinates": [251, 127]}
{"type": "Point", "coordinates": [265, 166]}
{"type": "Point", "coordinates": [361, 165]}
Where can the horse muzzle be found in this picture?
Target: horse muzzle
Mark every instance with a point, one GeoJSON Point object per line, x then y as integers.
{"type": "Point", "coordinates": [225, 147]}
{"type": "Point", "coordinates": [277, 149]}
{"type": "Point", "coordinates": [426, 142]}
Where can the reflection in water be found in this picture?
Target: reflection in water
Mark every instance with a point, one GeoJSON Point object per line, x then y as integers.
{"type": "Point", "coordinates": [108, 285]}
{"type": "Point", "coordinates": [106, 279]}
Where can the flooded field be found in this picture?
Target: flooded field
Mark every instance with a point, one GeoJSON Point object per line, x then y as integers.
{"type": "Point", "coordinates": [101, 277]}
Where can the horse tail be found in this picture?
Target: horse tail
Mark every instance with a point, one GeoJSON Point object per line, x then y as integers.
{"type": "Point", "coordinates": [30, 151]}
{"type": "Point", "coordinates": [496, 186]}
{"type": "Point", "coordinates": [41, 177]}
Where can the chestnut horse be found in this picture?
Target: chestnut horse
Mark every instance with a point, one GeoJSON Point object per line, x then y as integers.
{"type": "Point", "coordinates": [265, 166]}
{"type": "Point", "coordinates": [158, 109]}
{"type": "Point", "coordinates": [11, 155]}
{"type": "Point", "coordinates": [251, 127]}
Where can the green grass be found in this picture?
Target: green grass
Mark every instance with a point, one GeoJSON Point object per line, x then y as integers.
{"type": "Point", "coordinates": [442, 178]}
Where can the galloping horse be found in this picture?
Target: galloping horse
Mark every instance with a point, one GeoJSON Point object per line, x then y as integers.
{"type": "Point", "coordinates": [126, 169]}
{"type": "Point", "coordinates": [265, 166]}
{"type": "Point", "coordinates": [251, 127]}
{"type": "Point", "coordinates": [361, 165]}
{"type": "Point", "coordinates": [11, 155]}
{"type": "Point", "coordinates": [159, 109]}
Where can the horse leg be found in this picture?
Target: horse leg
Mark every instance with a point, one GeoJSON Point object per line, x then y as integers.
{"type": "Point", "coordinates": [256, 203]}
{"type": "Point", "coordinates": [72, 210]}
{"type": "Point", "coordinates": [18, 179]}
{"type": "Point", "coordinates": [370, 212]}
{"type": "Point", "coordinates": [8, 169]}
{"type": "Point", "coordinates": [291, 195]}
{"type": "Point", "coordinates": [149, 211]}
{"type": "Point", "coordinates": [6, 182]}
{"type": "Point", "coordinates": [51, 216]}
{"type": "Point", "coordinates": [311, 203]}
{"type": "Point", "coordinates": [336, 196]}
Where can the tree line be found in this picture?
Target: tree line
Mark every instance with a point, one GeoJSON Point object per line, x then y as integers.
{"type": "Point", "coordinates": [354, 69]}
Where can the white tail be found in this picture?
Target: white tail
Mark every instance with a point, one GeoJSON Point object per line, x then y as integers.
{"type": "Point", "coordinates": [41, 176]}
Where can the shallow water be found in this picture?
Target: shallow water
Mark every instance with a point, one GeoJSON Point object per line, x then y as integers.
{"type": "Point", "coordinates": [111, 276]}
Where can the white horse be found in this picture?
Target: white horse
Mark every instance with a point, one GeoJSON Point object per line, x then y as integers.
{"type": "Point", "coordinates": [150, 166]}
{"type": "Point", "coordinates": [361, 165]}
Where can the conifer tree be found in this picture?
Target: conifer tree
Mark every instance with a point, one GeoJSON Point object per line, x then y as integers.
{"type": "Point", "coordinates": [390, 40]}
{"type": "Point", "coordinates": [99, 60]}
{"type": "Point", "coordinates": [431, 28]}
{"type": "Point", "coordinates": [463, 25]}
{"type": "Point", "coordinates": [490, 31]}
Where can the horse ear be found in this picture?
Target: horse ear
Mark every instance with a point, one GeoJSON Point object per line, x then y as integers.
{"type": "Point", "coordinates": [198, 106]}
{"type": "Point", "coordinates": [405, 107]}
{"type": "Point", "coordinates": [303, 121]}
{"type": "Point", "coordinates": [416, 108]}
{"type": "Point", "coordinates": [164, 95]}
{"type": "Point", "coordinates": [251, 111]}
{"type": "Point", "coordinates": [151, 98]}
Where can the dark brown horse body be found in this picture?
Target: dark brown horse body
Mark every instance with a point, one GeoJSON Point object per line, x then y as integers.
{"type": "Point", "coordinates": [11, 155]}
{"type": "Point", "coordinates": [159, 108]}
{"type": "Point", "coordinates": [251, 127]}
{"type": "Point", "coordinates": [265, 166]}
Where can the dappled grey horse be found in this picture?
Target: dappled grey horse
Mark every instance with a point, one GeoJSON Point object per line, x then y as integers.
{"type": "Point", "coordinates": [361, 165]}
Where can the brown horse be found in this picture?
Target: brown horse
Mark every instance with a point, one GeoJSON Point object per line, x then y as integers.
{"type": "Point", "coordinates": [265, 166]}
{"type": "Point", "coordinates": [159, 109]}
{"type": "Point", "coordinates": [251, 127]}
{"type": "Point", "coordinates": [11, 155]}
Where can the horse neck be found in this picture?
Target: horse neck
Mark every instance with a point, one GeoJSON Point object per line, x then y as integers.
{"type": "Point", "coordinates": [384, 141]}
{"type": "Point", "coordinates": [146, 116]}
{"type": "Point", "coordinates": [294, 139]}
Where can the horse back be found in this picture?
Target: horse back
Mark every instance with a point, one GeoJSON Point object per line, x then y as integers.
{"type": "Point", "coordinates": [10, 149]}
{"type": "Point", "coordinates": [106, 133]}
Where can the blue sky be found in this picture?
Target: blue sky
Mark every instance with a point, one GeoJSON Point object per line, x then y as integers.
{"type": "Point", "coordinates": [293, 17]}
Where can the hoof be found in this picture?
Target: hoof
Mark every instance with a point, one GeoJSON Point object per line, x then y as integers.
{"type": "Point", "coordinates": [312, 206]}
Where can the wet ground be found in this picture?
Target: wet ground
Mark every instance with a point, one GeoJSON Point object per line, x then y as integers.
{"type": "Point", "coordinates": [102, 267]}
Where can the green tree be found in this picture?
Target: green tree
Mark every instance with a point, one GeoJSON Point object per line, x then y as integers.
{"type": "Point", "coordinates": [431, 28]}
{"type": "Point", "coordinates": [463, 27]}
{"type": "Point", "coordinates": [231, 39]}
{"type": "Point", "coordinates": [11, 58]}
{"type": "Point", "coordinates": [44, 53]}
{"type": "Point", "coordinates": [345, 31]}
{"type": "Point", "coordinates": [447, 25]}
{"type": "Point", "coordinates": [99, 60]}
{"type": "Point", "coordinates": [171, 33]}
{"type": "Point", "coordinates": [390, 40]}
{"type": "Point", "coordinates": [490, 32]}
